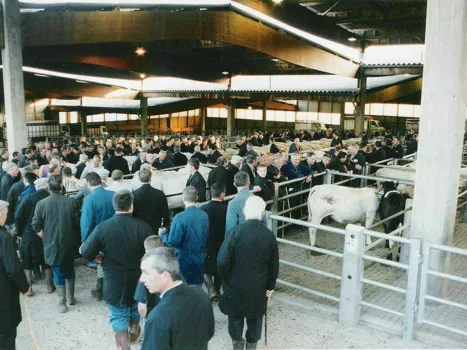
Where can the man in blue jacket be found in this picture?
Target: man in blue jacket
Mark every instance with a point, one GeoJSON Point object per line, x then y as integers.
{"type": "Point", "coordinates": [97, 207]}
{"type": "Point", "coordinates": [188, 234]}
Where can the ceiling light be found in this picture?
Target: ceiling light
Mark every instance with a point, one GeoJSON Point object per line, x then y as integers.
{"type": "Point", "coordinates": [142, 76]}
{"type": "Point", "coordinates": [82, 82]}
{"type": "Point", "coordinates": [41, 75]}
{"type": "Point", "coordinates": [140, 51]}
{"type": "Point", "coordinates": [352, 38]}
{"type": "Point", "coordinates": [225, 73]}
{"type": "Point", "coordinates": [275, 60]}
{"type": "Point", "coordinates": [277, 1]}
{"type": "Point", "coordinates": [249, 107]}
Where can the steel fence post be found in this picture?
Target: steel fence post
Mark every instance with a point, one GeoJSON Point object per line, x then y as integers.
{"type": "Point", "coordinates": [412, 289]}
{"type": "Point", "coordinates": [405, 248]}
{"type": "Point", "coordinates": [328, 178]}
{"type": "Point", "coordinates": [352, 273]}
{"type": "Point", "coordinates": [275, 207]}
{"type": "Point", "coordinates": [464, 210]}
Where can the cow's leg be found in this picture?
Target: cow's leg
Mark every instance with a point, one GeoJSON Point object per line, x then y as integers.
{"type": "Point", "coordinates": [370, 217]}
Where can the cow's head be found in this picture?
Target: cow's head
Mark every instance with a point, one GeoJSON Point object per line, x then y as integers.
{"type": "Point", "coordinates": [389, 186]}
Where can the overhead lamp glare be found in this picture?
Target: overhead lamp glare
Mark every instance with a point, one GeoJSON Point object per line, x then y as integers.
{"type": "Point", "coordinates": [140, 51]}
{"type": "Point", "coordinates": [277, 1]}
{"type": "Point", "coordinates": [352, 38]}
{"type": "Point", "coordinates": [142, 76]}
{"type": "Point", "coordinates": [225, 73]}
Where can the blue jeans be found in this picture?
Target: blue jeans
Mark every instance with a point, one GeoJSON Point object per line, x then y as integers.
{"type": "Point", "coordinates": [120, 317]}
{"type": "Point", "coordinates": [63, 272]}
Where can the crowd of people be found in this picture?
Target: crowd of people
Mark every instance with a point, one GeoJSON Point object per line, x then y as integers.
{"type": "Point", "coordinates": [158, 271]}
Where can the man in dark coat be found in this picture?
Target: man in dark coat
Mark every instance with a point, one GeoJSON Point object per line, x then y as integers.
{"type": "Point", "coordinates": [8, 179]}
{"type": "Point", "coordinates": [412, 147]}
{"type": "Point", "coordinates": [179, 158]}
{"type": "Point", "coordinates": [232, 169]}
{"type": "Point", "coordinates": [248, 262]}
{"type": "Point", "coordinates": [397, 149]}
{"type": "Point", "coordinates": [379, 153]}
{"type": "Point", "coordinates": [266, 185]}
{"type": "Point", "coordinates": [273, 147]}
{"type": "Point", "coordinates": [198, 155]}
{"type": "Point", "coordinates": [31, 248]}
{"type": "Point", "coordinates": [81, 165]}
{"type": "Point", "coordinates": [56, 221]}
{"type": "Point", "coordinates": [217, 213]}
{"type": "Point", "coordinates": [162, 162]}
{"type": "Point", "coordinates": [218, 173]}
{"type": "Point", "coordinates": [250, 168]}
{"type": "Point", "coordinates": [188, 234]}
{"type": "Point", "coordinates": [139, 161]}
{"type": "Point", "coordinates": [214, 154]}
{"type": "Point", "coordinates": [197, 180]}
{"type": "Point", "coordinates": [388, 148]}
{"type": "Point", "coordinates": [150, 204]}
{"type": "Point", "coordinates": [117, 162]}
{"type": "Point", "coordinates": [12, 281]}
{"type": "Point", "coordinates": [183, 318]}
{"type": "Point", "coordinates": [121, 240]}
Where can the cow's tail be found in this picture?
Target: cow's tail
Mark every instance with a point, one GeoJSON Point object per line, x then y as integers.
{"type": "Point", "coordinates": [312, 191]}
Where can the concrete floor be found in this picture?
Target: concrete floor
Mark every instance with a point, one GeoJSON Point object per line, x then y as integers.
{"type": "Point", "coordinates": [85, 325]}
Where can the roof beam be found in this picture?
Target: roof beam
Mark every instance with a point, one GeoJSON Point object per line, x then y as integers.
{"type": "Point", "coordinates": [396, 91]}
{"type": "Point", "coordinates": [48, 29]}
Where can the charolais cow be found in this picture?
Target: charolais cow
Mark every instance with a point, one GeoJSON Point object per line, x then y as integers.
{"type": "Point", "coordinates": [343, 204]}
{"type": "Point", "coordinates": [392, 202]}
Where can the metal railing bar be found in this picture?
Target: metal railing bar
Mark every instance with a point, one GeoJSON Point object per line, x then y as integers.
{"type": "Point", "coordinates": [447, 328]}
{"type": "Point", "coordinates": [309, 247]}
{"type": "Point", "coordinates": [454, 250]}
{"type": "Point", "coordinates": [309, 269]}
{"type": "Point", "coordinates": [308, 224]}
{"type": "Point", "coordinates": [292, 209]}
{"type": "Point", "coordinates": [284, 183]}
{"type": "Point", "coordinates": [391, 217]}
{"type": "Point", "coordinates": [386, 236]}
{"type": "Point", "coordinates": [295, 194]}
{"type": "Point", "coordinates": [386, 262]}
{"type": "Point", "coordinates": [384, 285]}
{"type": "Point", "coordinates": [405, 182]}
{"type": "Point", "coordinates": [394, 248]}
{"type": "Point", "coordinates": [461, 194]}
{"type": "Point", "coordinates": [380, 308]}
{"type": "Point", "coordinates": [290, 224]}
{"type": "Point", "coordinates": [308, 290]}
{"type": "Point", "coordinates": [380, 240]}
{"type": "Point", "coordinates": [447, 276]}
{"type": "Point", "coordinates": [446, 302]}
{"type": "Point", "coordinates": [342, 182]}
{"type": "Point", "coordinates": [397, 230]}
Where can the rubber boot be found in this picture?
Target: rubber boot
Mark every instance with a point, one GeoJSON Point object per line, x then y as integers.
{"type": "Point", "coordinates": [238, 345]}
{"type": "Point", "coordinates": [28, 274]}
{"type": "Point", "coordinates": [135, 332]}
{"type": "Point", "coordinates": [97, 292]}
{"type": "Point", "coordinates": [251, 346]}
{"type": "Point", "coordinates": [61, 294]}
{"type": "Point", "coordinates": [49, 280]}
{"type": "Point", "coordinates": [70, 288]}
{"type": "Point", "coordinates": [210, 286]}
{"type": "Point", "coordinates": [123, 340]}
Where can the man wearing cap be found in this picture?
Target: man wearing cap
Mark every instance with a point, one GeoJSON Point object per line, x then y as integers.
{"type": "Point", "coordinates": [12, 281]}
{"type": "Point", "coordinates": [31, 247]}
{"type": "Point", "coordinates": [97, 207]}
{"type": "Point", "coordinates": [232, 169]}
{"type": "Point", "coordinates": [56, 220]}
{"type": "Point", "coordinates": [379, 153]}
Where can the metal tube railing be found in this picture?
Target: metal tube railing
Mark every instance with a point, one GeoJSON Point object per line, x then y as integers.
{"type": "Point", "coordinates": [309, 269]}
{"type": "Point", "coordinates": [406, 182]}
{"type": "Point", "coordinates": [380, 308]}
{"type": "Point", "coordinates": [309, 247]}
{"type": "Point", "coordinates": [308, 290]}
{"type": "Point", "coordinates": [383, 285]}
{"type": "Point", "coordinates": [385, 236]}
{"type": "Point", "coordinates": [390, 217]}
{"type": "Point", "coordinates": [308, 224]}
{"type": "Point", "coordinates": [386, 262]}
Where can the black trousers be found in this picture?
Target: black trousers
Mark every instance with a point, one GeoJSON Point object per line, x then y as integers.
{"type": "Point", "coordinates": [253, 330]}
{"type": "Point", "coordinates": [7, 339]}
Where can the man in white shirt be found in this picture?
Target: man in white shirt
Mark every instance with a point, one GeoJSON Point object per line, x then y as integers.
{"type": "Point", "coordinates": [117, 182]}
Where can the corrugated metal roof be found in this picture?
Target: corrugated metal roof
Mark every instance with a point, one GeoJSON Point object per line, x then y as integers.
{"type": "Point", "coordinates": [394, 55]}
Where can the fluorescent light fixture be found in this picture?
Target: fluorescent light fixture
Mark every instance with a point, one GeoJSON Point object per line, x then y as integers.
{"type": "Point", "coordinates": [225, 73]}
{"type": "Point", "coordinates": [277, 1]}
{"type": "Point", "coordinates": [82, 82]}
{"type": "Point", "coordinates": [275, 60]}
{"type": "Point", "coordinates": [142, 76]}
{"type": "Point", "coordinates": [352, 38]}
{"type": "Point", "coordinates": [140, 51]}
{"type": "Point", "coordinates": [340, 49]}
{"type": "Point", "coordinates": [129, 2]}
{"type": "Point", "coordinates": [41, 75]}
{"type": "Point", "coordinates": [30, 10]}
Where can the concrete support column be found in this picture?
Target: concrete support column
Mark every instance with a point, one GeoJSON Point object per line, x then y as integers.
{"type": "Point", "coordinates": [265, 111]}
{"type": "Point", "coordinates": [203, 120]}
{"type": "Point", "coordinates": [342, 122]}
{"type": "Point", "coordinates": [231, 119]}
{"type": "Point", "coordinates": [13, 84]}
{"type": "Point", "coordinates": [443, 113]}
{"type": "Point", "coordinates": [361, 100]}
{"type": "Point", "coordinates": [144, 115]}
{"type": "Point", "coordinates": [84, 123]}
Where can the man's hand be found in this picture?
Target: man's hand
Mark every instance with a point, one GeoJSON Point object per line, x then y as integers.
{"type": "Point", "coordinates": [358, 166]}
{"type": "Point", "coordinates": [308, 178]}
{"type": "Point", "coordinates": [99, 258]}
{"type": "Point", "coordinates": [269, 293]}
{"type": "Point", "coordinates": [162, 229]}
{"type": "Point", "coordinates": [143, 310]}
{"type": "Point", "coordinates": [257, 188]}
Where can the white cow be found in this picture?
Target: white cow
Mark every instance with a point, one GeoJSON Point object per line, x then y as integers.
{"type": "Point", "coordinates": [343, 204]}
{"type": "Point", "coordinates": [400, 173]}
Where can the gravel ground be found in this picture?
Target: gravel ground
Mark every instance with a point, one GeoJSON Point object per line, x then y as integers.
{"type": "Point", "coordinates": [85, 326]}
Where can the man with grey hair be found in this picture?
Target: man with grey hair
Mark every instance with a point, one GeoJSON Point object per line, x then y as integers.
{"type": "Point", "coordinates": [179, 159]}
{"type": "Point", "coordinates": [249, 275]}
{"type": "Point", "coordinates": [232, 169]}
{"type": "Point", "coordinates": [184, 318]}
{"type": "Point", "coordinates": [235, 214]}
{"type": "Point", "coordinates": [121, 240]}
{"type": "Point", "coordinates": [81, 165]}
{"type": "Point", "coordinates": [150, 204]}
{"type": "Point", "coordinates": [198, 155]}
{"type": "Point", "coordinates": [8, 179]}
{"type": "Point", "coordinates": [117, 182]}
{"type": "Point", "coordinates": [163, 162]}
{"type": "Point", "coordinates": [250, 167]}
{"type": "Point", "coordinates": [188, 234]}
